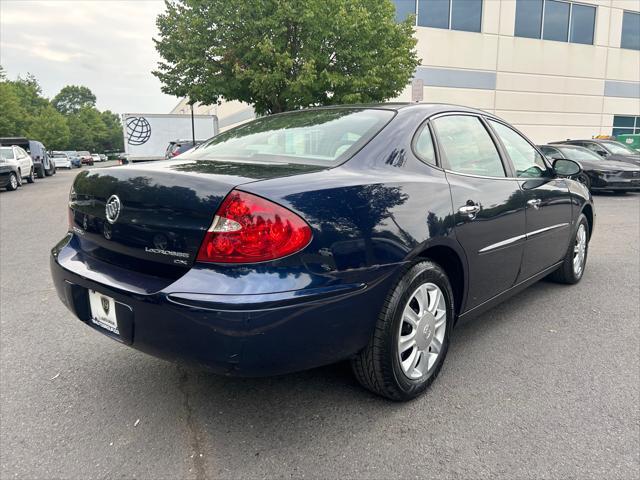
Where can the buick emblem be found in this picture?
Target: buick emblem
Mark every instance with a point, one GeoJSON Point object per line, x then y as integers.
{"type": "Point", "coordinates": [105, 305]}
{"type": "Point", "coordinates": [112, 208]}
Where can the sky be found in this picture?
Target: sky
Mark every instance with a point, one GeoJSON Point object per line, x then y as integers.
{"type": "Point", "coordinates": [105, 45]}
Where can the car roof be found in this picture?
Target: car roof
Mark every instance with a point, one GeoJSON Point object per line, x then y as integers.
{"type": "Point", "coordinates": [396, 106]}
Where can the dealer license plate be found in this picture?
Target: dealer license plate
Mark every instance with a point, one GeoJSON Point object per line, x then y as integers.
{"type": "Point", "coordinates": [103, 311]}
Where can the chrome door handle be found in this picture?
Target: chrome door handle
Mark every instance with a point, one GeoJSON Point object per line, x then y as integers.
{"type": "Point", "coordinates": [469, 210]}
{"type": "Point", "coordinates": [535, 203]}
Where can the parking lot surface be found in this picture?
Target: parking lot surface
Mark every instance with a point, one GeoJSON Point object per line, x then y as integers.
{"type": "Point", "coordinates": [545, 385]}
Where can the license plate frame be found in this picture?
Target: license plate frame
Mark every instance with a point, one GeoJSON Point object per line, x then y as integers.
{"type": "Point", "coordinates": [103, 312]}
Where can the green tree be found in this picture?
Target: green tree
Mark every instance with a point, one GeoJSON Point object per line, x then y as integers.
{"type": "Point", "coordinates": [73, 98]}
{"type": "Point", "coordinates": [12, 114]}
{"type": "Point", "coordinates": [30, 94]}
{"type": "Point", "coordinates": [281, 55]}
{"type": "Point", "coordinates": [50, 127]}
{"type": "Point", "coordinates": [114, 139]}
{"type": "Point", "coordinates": [88, 131]}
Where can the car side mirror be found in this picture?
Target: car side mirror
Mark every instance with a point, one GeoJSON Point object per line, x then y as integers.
{"type": "Point", "coordinates": [603, 153]}
{"type": "Point", "coordinates": [566, 168]}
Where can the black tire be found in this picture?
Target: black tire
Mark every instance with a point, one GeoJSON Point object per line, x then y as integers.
{"type": "Point", "coordinates": [13, 182]}
{"type": "Point", "coordinates": [20, 180]}
{"type": "Point", "coordinates": [377, 366]}
{"type": "Point", "coordinates": [566, 272]}
{"type": "Point", "coordinates": [32, 176]}
{"type": "Point", "coordinates": [584, 179]}
{"type": "Point", "coordinates": [39, 169]}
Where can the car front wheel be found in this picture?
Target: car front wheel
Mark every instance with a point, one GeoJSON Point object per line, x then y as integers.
{"type": "Point", "coordinates": [411, 337]}
{"type": "Point", "coordinates": [584, 179]}
{"type": "Point", "coordinates": [13, 182]}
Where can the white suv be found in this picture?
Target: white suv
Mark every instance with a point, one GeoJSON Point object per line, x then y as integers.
{"type": "Point", "coordinates": [21, 159]}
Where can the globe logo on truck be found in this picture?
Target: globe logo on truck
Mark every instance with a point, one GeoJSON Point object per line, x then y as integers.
{"type": "Point", "coordinates": [138, 130]}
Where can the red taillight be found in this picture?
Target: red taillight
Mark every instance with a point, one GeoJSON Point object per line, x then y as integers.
{"type": "Point", "coordinates": [249, 229]}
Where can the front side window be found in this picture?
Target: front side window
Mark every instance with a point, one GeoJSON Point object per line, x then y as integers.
{"type": "Point", "coordinates": [316, 137]}
{"type": "Point", "coordinates": [467, 146]}
{"type": "Point", "coordinates": [630, 31]}
{"type": "Point", "coordinates": [557, 20]}
{"type": "Point", "coordinates": [526, 159]}
{"type": "Point", "coordinates": [463, 15]}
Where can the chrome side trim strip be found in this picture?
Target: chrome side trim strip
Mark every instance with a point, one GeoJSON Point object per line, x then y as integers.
{"type": "Point", "coordinates": [546, 229]}
{"type": "Point", "coordinates": [509, 241]}
{"type": "Point", "coordinates": [501, 244]}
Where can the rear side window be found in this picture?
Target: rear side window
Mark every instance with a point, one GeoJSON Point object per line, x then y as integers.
{"type": "Point", "coordinates": [424, 146]}
{"type": "Point", "coordinates": [526, 159]}
{"type": "Point", "coordinates": [467, 146]}
{"type": "Point", "coordinates": [318, 137]}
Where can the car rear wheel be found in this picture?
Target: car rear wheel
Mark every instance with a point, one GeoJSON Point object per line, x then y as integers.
{"type": "Point", "coordinates": [575, 261]}
{"type": "Point", "coordinates": [40, 173]}
{"type": "Point", "coordinates": [13, 182]}
{"type": "Point", "coordinates": [32, 176]}
{"type": "Point", "coordinates": [411, 337]}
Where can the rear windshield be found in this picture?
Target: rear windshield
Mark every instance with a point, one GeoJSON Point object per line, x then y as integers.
{"type": "Point", "coordinates": [319, 137]}
{"type": "Point", "coordinates": [6, 153]}
{"type": "Point", "coordinates": [58, 155]}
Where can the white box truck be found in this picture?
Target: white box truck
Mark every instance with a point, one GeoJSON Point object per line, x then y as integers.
{"type": "Point", "coordinates": [147, 135]}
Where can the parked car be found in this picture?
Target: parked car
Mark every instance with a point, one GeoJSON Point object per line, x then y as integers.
{"type": "Point", "coordinates": [61, 160]}
{"type": "Point", "coordinates": [36, 150]}
{"type": "Point", "coordinates": [85, 158]}
{"type": "Point", "coordinates": [609, 149]}
{"type": "Point", "coordinates": [310, 237]}
{"type": "Point", "coordinates": [103, 157]}
{"type": "Point", "coordinates": [9, 173]}
{"type": "Point", "coordinates": [19, 158]}
{"type": "Point", "coordinates": [598, 173]}
{"type": "Point", "coordinates": [178, 147]}
{"type": "Point", "coordinates": [74, 157]}
{"type": "Point", "coordinates": [96, 157]}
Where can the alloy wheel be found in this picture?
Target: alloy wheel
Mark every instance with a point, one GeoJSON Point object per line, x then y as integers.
{"type": "Point", "coordinates": [579, 250]}
{"type": "Point", "coordinates": [422, 331]}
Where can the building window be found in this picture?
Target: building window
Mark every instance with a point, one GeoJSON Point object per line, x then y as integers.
{"type": "Point", "coordinates": [404, 8]}
{"type": "Point", "coordinates": [449, 14]}
{"type": "Point", "coordinates": [630, 31]}
{"type": "Point", "coordinates": [623, 124]}
{"type": "Point", "coordinates": [555, 20]}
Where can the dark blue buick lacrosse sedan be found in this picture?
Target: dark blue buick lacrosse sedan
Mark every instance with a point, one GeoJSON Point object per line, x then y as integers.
{"type": "Point", "coordinates": [301, 239]}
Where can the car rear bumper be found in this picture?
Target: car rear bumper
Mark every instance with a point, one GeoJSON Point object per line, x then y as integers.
{"type": "Point", "coordinates": [244, 335]}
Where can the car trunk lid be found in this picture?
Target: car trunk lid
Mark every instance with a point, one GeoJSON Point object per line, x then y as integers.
{"type": "Point", "coordinates": [153, 217]}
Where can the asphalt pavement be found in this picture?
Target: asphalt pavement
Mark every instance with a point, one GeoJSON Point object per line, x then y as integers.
{"type": "Point", "coordinates": [547, 385]}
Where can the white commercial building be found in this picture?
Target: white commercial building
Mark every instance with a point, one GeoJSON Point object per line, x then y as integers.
{"type": "Point", "coordinates": [556, 69]}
